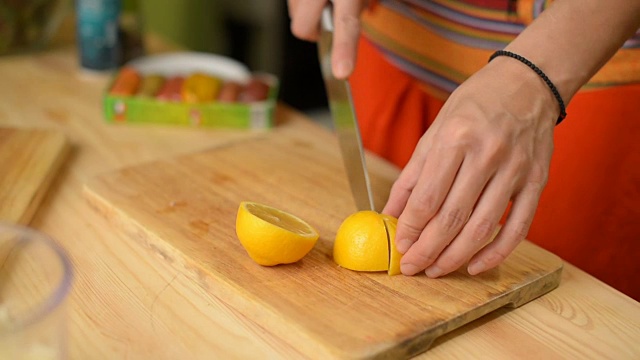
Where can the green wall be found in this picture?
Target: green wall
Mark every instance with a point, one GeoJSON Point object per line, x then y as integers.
{"type": "Point", "coordinates": [195, 24]}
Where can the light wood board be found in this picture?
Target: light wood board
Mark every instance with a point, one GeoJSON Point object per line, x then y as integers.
{"type": "Point", "coordinates": [183, 211]}
{"type": "Point", "coordinates": [29, 161]}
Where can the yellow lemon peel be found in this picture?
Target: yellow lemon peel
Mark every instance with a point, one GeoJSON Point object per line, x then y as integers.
{"type": "Point", "coordinates": [365, 241]}
{"type": "Point", "coordinates": [271, 236]}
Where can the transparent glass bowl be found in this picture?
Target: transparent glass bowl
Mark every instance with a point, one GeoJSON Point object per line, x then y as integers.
{"type": "Point", "coordinates": [35, 281]}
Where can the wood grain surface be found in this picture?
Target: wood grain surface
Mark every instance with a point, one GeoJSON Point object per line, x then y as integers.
{"type": "Point", "coordinates": [183, 209]}
{"type": "Point", "coordinates": [29, 161]}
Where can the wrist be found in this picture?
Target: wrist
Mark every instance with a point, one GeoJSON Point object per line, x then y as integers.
{"type": "Point", "coordinates": [567, 82]}
{"type": "Point", "coordinates": [541, 75]}
{"type": "Point", "coordinates": [527, 86]}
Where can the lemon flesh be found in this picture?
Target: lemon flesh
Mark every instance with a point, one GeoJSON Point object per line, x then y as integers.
{"type": "Point", "coordinates": [271, 236]}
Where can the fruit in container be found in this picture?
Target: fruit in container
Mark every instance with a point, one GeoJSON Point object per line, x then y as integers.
{"type": "Point", "coordinates": [230, 92]}
{"type": "Point", "coordinates": [171, 89]}
{"type": "Point", "coordinates": [200, 88]}
{"type": "Point", "coordinates": [151, 85]}
{"type": "Point", "coordinates": [255, 90]}
{"type": "Point", "coordinates": [196, 88]}
{"type": "Point", "coordinates": [126, 83]}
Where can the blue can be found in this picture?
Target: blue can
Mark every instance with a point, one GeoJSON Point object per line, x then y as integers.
{"type": "Point", "coordinates": [97, 31]}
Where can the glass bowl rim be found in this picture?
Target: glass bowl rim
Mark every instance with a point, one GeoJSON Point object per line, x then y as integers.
{"type": "Point", "coordinates": [62, 289]}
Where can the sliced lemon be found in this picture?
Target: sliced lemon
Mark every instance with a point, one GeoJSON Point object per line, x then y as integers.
{"type": "Point", "coordinates": [365, 241]}
{"type": "Point", "coordinates": [394, 255]}
{"type": "Point", "coordinates": [271, 236]}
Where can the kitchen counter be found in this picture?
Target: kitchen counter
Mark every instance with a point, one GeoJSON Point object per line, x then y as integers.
{"type": "Point", "coordinates": [126, 304]}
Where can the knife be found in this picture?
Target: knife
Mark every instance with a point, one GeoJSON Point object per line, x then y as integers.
{"type": "Point", "coordinates": [344, 118]}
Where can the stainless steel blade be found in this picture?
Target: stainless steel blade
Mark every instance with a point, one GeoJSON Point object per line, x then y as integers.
{"type": "Point", "coordinates": [344, 119]}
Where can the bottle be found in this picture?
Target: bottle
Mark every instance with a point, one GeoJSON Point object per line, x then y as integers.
{"type": "Point", "coordinates": [97, 31]}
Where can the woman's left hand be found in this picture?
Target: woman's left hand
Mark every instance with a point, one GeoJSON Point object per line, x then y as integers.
{"type": "Point", "coordinates": [490, 145]}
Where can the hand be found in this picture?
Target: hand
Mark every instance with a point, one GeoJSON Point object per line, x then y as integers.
{"type": "Point", "coordinates": [305, 24]}
{"type": "Point", "coordinates": [490, 144]}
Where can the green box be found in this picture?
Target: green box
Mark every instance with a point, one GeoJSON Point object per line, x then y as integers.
{"type": "Point", "coordinates": [147, 110]}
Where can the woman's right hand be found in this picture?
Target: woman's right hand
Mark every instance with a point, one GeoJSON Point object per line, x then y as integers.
{"type": "Point", "coordinates": [305, 24]}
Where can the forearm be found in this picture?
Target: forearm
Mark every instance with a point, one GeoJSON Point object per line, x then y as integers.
{"type": "Point", "coordinates": [573, 39]}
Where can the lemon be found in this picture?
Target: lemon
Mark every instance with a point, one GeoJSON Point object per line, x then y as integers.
{"type": "Point", "coordinates": [394, 255]}
{"type": "Point", "coordinates": [271, 236]}
{"type": "Point", "coordinates": [365, 241]}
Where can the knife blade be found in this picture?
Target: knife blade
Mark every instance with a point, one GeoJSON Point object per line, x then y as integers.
{"type": "Point", "coordinates": [344, 118]}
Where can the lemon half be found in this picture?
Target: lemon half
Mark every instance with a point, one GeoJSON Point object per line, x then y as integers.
{"type": "Point", "coordinates": [271, 236]}
{"type": "Point", "coordinates": [365, 241]}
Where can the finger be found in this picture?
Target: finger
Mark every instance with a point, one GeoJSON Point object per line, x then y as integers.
{"type": "Point", "coordinates": [437, 176]}
{"type": "Point", "coordinates": [400, 191]}
{"type": "Point", "coordinates": [346, 15]}
{"type": "Point", "coordinates": [478, 230]}
{"type": "Point", "coordinates": [292, 5]}
{"type": "Point", "coordinates": [450, 218]}
{"type": "Point", "coordinates": [403, 186]}
{"type": "Point", "coordinates": [512, 233]}
{"type": "Point", "coordinates": [305, 18]}
{"type": "Point", "coordinates": [407, 180]}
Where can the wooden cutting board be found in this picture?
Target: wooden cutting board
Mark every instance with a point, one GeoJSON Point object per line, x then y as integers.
{"type": "Point", "coordinates": [183, 211]}
{"type": "Point", "coordinates": [29, 161]}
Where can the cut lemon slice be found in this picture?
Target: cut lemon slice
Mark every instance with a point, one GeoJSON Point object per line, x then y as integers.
{"type": "Point", "coordinates": [271, 236]}
{"type": "Point", "coordinates": [391, 224]}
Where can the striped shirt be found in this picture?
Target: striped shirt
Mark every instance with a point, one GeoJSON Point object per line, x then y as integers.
{"type": "Point", "coordinates": [443, 42]}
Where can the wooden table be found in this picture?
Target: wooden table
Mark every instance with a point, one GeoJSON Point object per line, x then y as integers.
{"type": "Point", "coordinates": [126, 304]}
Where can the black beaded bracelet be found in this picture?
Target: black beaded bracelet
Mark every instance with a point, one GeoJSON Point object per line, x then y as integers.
{"type": "Point", "coordinates": [544, 77]}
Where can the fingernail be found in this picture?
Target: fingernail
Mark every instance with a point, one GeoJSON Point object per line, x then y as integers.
{"type": "Point", "coordinates": [475, 267]}
{"type": "Point", "coordinates": [343, 69]}
{"type": "Point", "coordinates": [433, 272]}
{"type": "Point", "coordinates": [403, 245]}
{"type": "Point", "coordinates": [409, 269]}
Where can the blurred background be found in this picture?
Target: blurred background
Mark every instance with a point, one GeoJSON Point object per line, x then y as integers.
{"type": "Point", "coordinates": [255, 32]}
